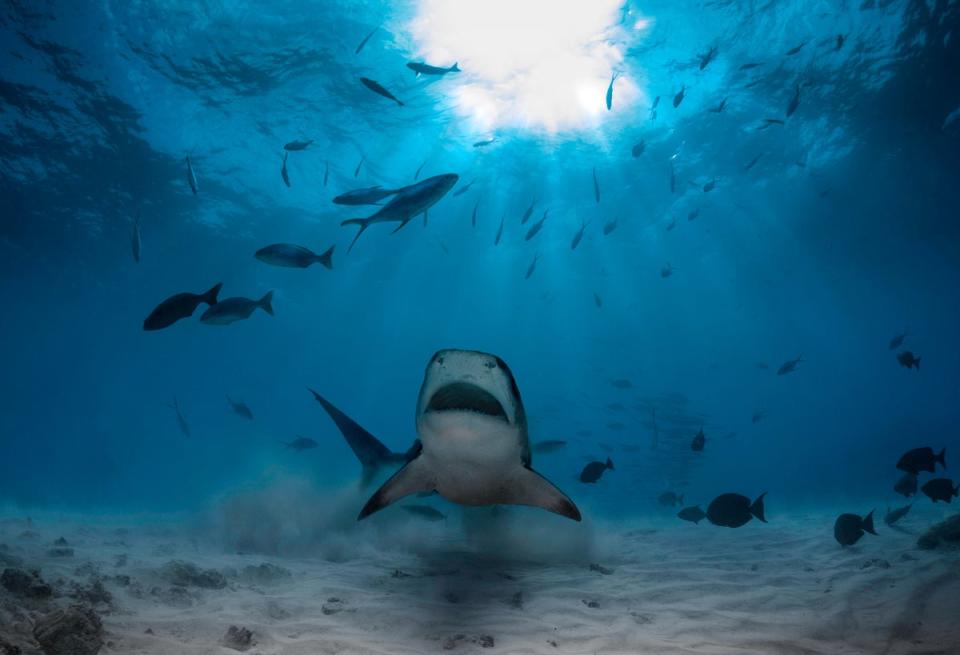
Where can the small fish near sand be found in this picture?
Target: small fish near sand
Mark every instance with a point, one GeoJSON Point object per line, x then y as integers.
{"type": "Point", "coordinates": [240, 408]}
{"type": "Point", "coordinates": [593, 471]}
{"type": "Point", "coordinates": [179, 306]}
{"type": "Point", "coordinates": [735, 510]}
{"type": "Point", "coordinates": [378, 88]}
{"type": "Point", "coordinates": [678, 98]}
{"type": "Point", "coordinates": [424, 512]}
{"type": "Point", "coordinates": [894, 515]}
{"type": "Point", "coordinates": [693, 514]}
{"type": "Point", "coordinates": [301, 444]}
{"type": "Point", "coordinates": [908, 360]}
{"type": "Point", "coordinates": [670, 499]}
{"type": "Point", "coordinates": [940, 489]}
{"type": "Point", "coordinates": [231, 310]}
{"type": "Point", "coordinates": [848, 528]}
{"type": "Point", "coordinates": [699, 440]}
{"type": "Point", "coordinates": [907, 485]}
{"type": "Point", "coordinates": [289, 255]}
{"type": "Point", "coordinates": [922, 459]}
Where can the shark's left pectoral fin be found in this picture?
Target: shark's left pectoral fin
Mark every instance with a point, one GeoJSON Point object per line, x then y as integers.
{"type": "Point", "coordinates": [413, 478]}
{"type": "Point", "coordinates": [530, 488]}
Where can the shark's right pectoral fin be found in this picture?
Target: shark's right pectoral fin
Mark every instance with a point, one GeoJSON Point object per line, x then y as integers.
{"type": "Point", "coordinates": [531, 488]}
{"type": "Point", "coordinates": [413, 478]}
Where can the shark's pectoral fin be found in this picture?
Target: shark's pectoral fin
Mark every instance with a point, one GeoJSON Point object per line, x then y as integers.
{"type": "Point", "coordinates": [413, 478]}
{"type": "Point", "coordinates": [530, 488]}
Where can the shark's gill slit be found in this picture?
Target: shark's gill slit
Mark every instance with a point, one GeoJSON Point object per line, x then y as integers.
{"type": "Point", "coordinates": [464, 396]}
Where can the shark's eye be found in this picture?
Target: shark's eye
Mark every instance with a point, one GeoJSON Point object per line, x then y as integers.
{"type": "Point", "coordinates": [490, 365]}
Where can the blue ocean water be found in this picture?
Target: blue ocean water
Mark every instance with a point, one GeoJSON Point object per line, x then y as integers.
{"type": "Point", "coordinates": [823, 233]}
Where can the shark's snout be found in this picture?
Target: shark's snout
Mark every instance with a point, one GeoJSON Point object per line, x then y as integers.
{"type": "Point", "coordinates": [466, 397]}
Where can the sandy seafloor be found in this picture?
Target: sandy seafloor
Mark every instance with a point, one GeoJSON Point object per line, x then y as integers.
{"type": "Point", "coordinates": [665, 587]}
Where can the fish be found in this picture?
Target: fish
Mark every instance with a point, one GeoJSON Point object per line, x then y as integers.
{"type": "Point", "coordinates": [427, 69]}
{"type": "Point", "coordinates": [907, 485]}
{"type": "Point", "coordinates": [638, 148]}
{"type": "Point", "coordinates": [672, 224]}
{"type": "Point", "coordinates": [596, 185]}
{"type": "Point", "coordinates": [290, 255]}
{"type": "Point", "coordinates": [789, 366]}
{"type": "Point", "coordinates": [548, 446]}
{"type": "Point", "coordinates": [767, 122]}
{"type": "Point", "coordinates": [735, 510]}
{"type": "Point", "coordinates": [295, 146]}
{"type": "Point", "coordinates": [940, 489]}
{"type": "Point", "coordinates": [794, 102]}
{"type": "Point", "coordinates": [240, 408]}
{"type": "Point", "coordinates": [230, 310]}
{"type": "Point", "coordinates": [666, 271]}
{"type": "Point", "coordinates": [719, 108]}
{"type": "Point", "coordinates": [463, 189]}
{"type": "Point", "coordinates": [496, 241]}
{"type": "Point", "coordinates": [749, 65]}
{"type": "Point", "coordinates": [677, 99]}
{"type": "Point", "coordinates": [484, 142]}
{"type": "Point", "coordinates": [301, 444]}
{"type": "Point", "coordinates": [366, 196]}
{"type": "Point", "coordinates": [839, 41]}
{"type": "Point", "coordinates": [536, 227]}
{"type": "Point", "coordinates": [897, 341]}
{"type": "Point", "coordinates": [710, 186]}
{"type": "Point", "coordinates": [699, 440]}
{"type": "Point", "coordinates": [794, 50]}
{"type": "Point", "coordinates": [892, 516]}
{"type": "Point", "coordinates": [597, 300]}
{"type": "Point", "coordinates": [848, 528]}
{"type": "Point", "coordinates": [528, 212]}
{"type": "Point", "coordinates": [356, 171]}
{"type": "Point", "coordinates": [670, 499]}
{"type": "Point", "coordinates": [472, 444]}
{"type": "Point", "coordinates": [752, 162]}
{"type": "Point", "coordinates": [416, 175]}
{"type": "Point", "coordinates": [135, 238]}
{"type": "Point", "coordinates": [532, 267]}
{"type": "Point", "coordinates": [579, 235]}
{"type": "Point", "coordinates": [473, 217]}
{"type": "Point", "coordinates": [707, 58]}
{"type": "Point", "coordinates": [621, 383]}
{"type": "Point", "coordinates": [693, 514]}
{"type": "Point", "coordinates": [182, 422]}
{"type": "Point", "coordinates": [424, 512]}
{"type": "Point", "coordinates": [610, 92]}
{"type": "Point", "coordinates": [757, 416]}
{"type": "Point", "coordinates": [609, 227]}
{"type": "Point", "coordinates": [283, 170]}
{"type": "Point", "coordinates": [179, 306]}
{"type": "Point", "coordinates": [365, 39]}
{"type": "Point", "coordinates": [908, 360]}
{"type": "Point", "coordinates": [191, 177]}
{"type": "Point", "coordinates": [326, 173]}
{"type": "Point", "coordinates": [407, 202]}
{"type": "Point", "coordinates": [593, 471]}
{"type": "Point", "coordinates": [378, 88]}
{"type": "Point", "coordinates": [922, 459]}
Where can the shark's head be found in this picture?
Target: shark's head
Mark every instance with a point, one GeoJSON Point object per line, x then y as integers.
{"type": "Point", "coordinates": [470, 397]}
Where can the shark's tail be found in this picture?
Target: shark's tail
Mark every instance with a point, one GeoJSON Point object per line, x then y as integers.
{"type": "Point", "coordinates": [364, 223]}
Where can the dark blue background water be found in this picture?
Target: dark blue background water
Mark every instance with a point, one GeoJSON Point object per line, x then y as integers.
{"type": "Point", "coordinates": [99, 104]}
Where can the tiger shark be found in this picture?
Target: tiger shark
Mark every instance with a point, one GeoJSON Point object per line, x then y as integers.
{"type": "Point", "coordinates": [472, 445]}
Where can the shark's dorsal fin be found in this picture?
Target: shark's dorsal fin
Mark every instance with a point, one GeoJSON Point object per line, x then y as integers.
{"type": "Point", "coordinates": [368, 449]}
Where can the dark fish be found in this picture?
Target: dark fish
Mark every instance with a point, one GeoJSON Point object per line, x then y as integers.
{"type": "Point", "coordinates": [719, 108]}
{"type": "Point", "coordinates": [283, 170]}
{"type": "Point", "coordinates": [532, 267]}
{"type": "Point", "coordinates": [377, 88]}
{"type": "Point", "coordinates": [757, 417]}
{"type": "Point", "coordinates": [609, 227]}
{"type": "Point", "coordinates": [463, 189]}
{"type": "Point", "coordinates": [940, 489]}
{"type": "Point", "coordinates": [594, 471]}
{"type": "Point", "coordinates": [710, 186]}
{"type": "Point", "coordinates": [496, 241]}
{"type": "Point", "coordinates": [677, 99]}
{"type": "Point", "coordinates": [326, 173]}
{"type": "Point", "coordinates": [907, 485]}
{"type": "Point", "coordinates": [473, 217]}
{"type": "Point", "coordinates": [365, 39]}
{"type": "Point", "coordinates": [849, 528]}
{"type": "Point", "coordinates": [291, 255]}
{"type": "Point", "coordinates": [789, 366]}
{"type": "Point", "coordinates": [892, 516]}
{"type": "Point", "coordinates": [638, 148]}
{"type": "Point", "coordinates": [528, 212]}
{"type": "Point", "coordinates": [707, 58]}
{"type": "Point", "coordinates": [693, 214]}
{"type": "Point", "coordinates": [191, 178]}
{"type": "Point", "coordinates": [839, 42]}
{"type": "Point", "coordinates": [135, 239]}
{"type": "Point", "coordinates": [666, 271]}
{"type": "Point", "coordinates": [301, 444]}
{"type": "Point", "coordinates": [693, 514]}
{"type": "Point", "coordinates": [484, 142]}
{"type": "Point", "coordinates": [897, 341]}
{"type": "Point", "coordinates": [597, 300]}
{"type": "Point", "coordinates": [424, 512]}
{"type": "Point", "coordinates": [356, 171]}
{"type": "Point", "coordinates": [908, 360]}
{"type": "Point", "coordinates": [548, 446]}
{"type": "Point", "coordinates": [419, 168]}
{"type": "Point", "coordinates": [748, 66]}
{"type": "Point", "coordinates": [794, 50]}
{"type": "Point", "coordinates": [536, 227]}
{"type": "Point", "coordinates": [752, 162]}
{"type": "Point", "coordinates": [610, 92]}
{"type": "Point", "coordinates": [596, 185]}
{"type": "Point", "coordinates": [230, 310]}
{"type": "Point", "coordinates": [179, 306]}
{"type": "Point", "coordinates": [734, 510]}
{"type": "Point", "coordinates": [427, 69]}
{"type": "Point", "coordinates": [670, 499]}
{"type": "Point", "coordinates": [922, 459]}
{"type": "Point", "coordinates": [794, 102]}
{"type": "Point", "coordinates": [622, 383]}
{"type": "Point", "coordinates": [294, 146]}
{"type": "Point", "coordinates": [182, 422]}
{"type": "Point", "coordinates": [698, 442]}
{"type": "Point", "coordinates": [367, 196]}
{"type": "Point", "coordinates": [672, 224]}
{"type": "Point", "coordinates": [240, 408]}
{"type": "Point", "coordinates": [578, 236]}
{"type": "Point", "coordinates": [767, 122]}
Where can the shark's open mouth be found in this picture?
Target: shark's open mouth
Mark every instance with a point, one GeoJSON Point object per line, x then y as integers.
{"type": "Point", "coordinates": [463, 396]}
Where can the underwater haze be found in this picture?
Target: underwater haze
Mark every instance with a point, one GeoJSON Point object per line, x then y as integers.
{"type": "Point", "coordinates": [691, 249]}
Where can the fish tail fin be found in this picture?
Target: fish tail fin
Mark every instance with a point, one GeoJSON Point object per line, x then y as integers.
{"type": "Point", "coordinates": [326, 259]}
{"type": "Point", "coordinates": [757, 507]}
{"type": "Point", "coordinates": [610, 464]}
{"type": "Point", "coordinates": [210, 297]}
{"type": "Point", "coordinates": [455, 68]}
{"type": "Point", "coordinates": [867, 523]}
{"type": "Point", "coordinates": [266, 303]}
{"type": "Point", "coordinates": [364, 223]}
